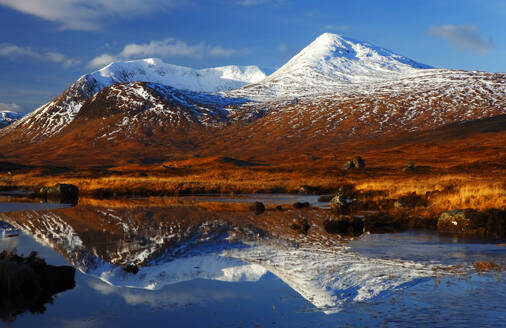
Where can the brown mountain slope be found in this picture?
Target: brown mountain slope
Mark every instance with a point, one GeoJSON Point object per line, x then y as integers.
{"type": "Point", "coordinates": [143, 122]}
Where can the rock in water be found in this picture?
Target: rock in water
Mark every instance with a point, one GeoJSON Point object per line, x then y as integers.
{"type": "Point", "coordinates": [456, 220]}
{"type": "Point", "coordinates": [340, 203]}
{"type": "Point", "coordinates": [489, 223]}
{"type": "Point", "coordinates": [301, 205]}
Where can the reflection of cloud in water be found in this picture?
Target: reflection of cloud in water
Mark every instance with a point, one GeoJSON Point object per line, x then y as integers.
{"type": "Point", "coordinates": [165, 298]}
{"type": "Point", "coordinates": [87, 322]}
{"type": "Point", "coordinates": [211, 267]}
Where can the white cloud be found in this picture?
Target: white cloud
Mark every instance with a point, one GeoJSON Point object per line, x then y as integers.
{"type": "Point", "coordinates": [9, 107]}
{"type": "Point", "coordinates": [165, 48]}
{"type": "Point", "coordinates": [461, 36]}
{"type": "Point", "coordinates": [87, 14]}
{"type": "Point", "coordinates": [102, 60]}
{"type": "Point", "coordinates": [13, 52]}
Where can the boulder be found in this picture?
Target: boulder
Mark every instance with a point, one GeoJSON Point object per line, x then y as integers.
{"type": "Point", "coordinates": [348, 165]}
{"type": "Point", "coordinates": [340, 203]}
{"type": "Point", "coordinates": [300, 225]}
{"type": "Point", "coordinates": [300, 205]}
{"type": "Point", "coordinates": [459, 220]}
{"type": "Point", "coordinates": [489, 223]}
{"type": "Point", "coordinates": [344, 225]}
{"type": "Point", "coordinates": [258, 207]}
{"type": "Point", "coordinates": [63, 193]}
{"type": "Point", "coordinates": [358, 162]}
{"type": "Point", "coordinates": [355, 163]}
{"type": "Point", "coordinates": [409, 167]}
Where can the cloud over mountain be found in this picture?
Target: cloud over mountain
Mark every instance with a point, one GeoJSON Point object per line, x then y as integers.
{"type": "Point", "coordinates": [165, 48]}
{"type": "Point", "coordinates": [461, 36]}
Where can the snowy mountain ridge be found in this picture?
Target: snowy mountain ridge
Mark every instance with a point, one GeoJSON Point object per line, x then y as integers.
{"type": "Point", "coordinates": [53, 116]}
{"type": "Point", "coordinates": [8, 117]}
{"type": "Point", "coordinates": [332, 83]}
{"type": "Point", "coordinates": [179, 77]}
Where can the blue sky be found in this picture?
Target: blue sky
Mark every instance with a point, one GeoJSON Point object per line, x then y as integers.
{"type": "Point", "coordinates": [47, 44]}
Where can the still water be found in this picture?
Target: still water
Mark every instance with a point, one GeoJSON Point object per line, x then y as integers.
{"type": "Point", "coordinates": [215, 269]}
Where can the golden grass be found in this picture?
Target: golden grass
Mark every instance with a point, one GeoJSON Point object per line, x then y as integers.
{"type": "Point", "coordinates": [480, 190]}
{"type": "Point", "coordinates": [454, 191]}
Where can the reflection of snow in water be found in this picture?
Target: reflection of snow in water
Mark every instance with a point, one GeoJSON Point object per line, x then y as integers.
{"type": "Point", "coordinates": [328, 277]}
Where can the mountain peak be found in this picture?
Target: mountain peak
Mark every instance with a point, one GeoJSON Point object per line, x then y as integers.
{"type": "Point", "coordinates": [339, 59]}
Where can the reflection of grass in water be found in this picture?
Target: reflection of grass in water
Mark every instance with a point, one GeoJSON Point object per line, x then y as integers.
{"type": "Point", "coordinates": [485, 266]}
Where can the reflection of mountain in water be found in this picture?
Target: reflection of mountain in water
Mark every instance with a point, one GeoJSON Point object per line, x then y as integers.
{"type": "Point", "coordinates": [175, 244]}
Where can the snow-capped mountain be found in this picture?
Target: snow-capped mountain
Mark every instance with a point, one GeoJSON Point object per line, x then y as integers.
{"type": "Point", "coordinates": [336, 88]}
{"type": "Point", "coordinates": [179, 77]}
{"type": "Point", "coordinates": [8, 117]}
{"type": "Point", "coordinates": [333, 62]}
{"type": "Point", "coordinates": [57, 114]}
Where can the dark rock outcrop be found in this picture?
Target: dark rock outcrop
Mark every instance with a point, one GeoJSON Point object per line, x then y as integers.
{"type": "Point", "coordinates": [344, 225]}
{"type": "Point", "coordinates": [456, 220]}
{"type": "Point", "coordinates": [489, 223]}
{"type": "Point", "coordinates": [63, 193]}
{"type": "Point", "coordinates": [355, 163]}
{"type": "Point", "coordinates": [26, 284]}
